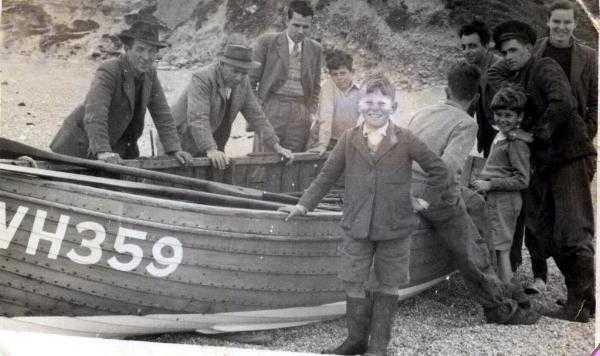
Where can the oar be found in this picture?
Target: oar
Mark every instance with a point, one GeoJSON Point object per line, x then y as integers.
{"type": "Point", "coordinates": [156, 190]}
{"type": "Point", "coordinates": [20, 149]}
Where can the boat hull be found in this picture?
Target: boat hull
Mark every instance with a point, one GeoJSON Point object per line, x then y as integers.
{"type": "Point", "coordinates": [113, 263]}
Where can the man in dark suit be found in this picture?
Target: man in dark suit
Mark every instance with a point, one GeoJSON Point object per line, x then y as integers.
{"type": "Point", "coordinates": [111, 119]}
{"type": "Point", "coordinates": [474, 41]}
{"type": "Point", "coordinates": [207, 108]}
{"type": "Point", "coordinates": [289, 78]}
{"type": "Point", "coordinates": [558, 209]}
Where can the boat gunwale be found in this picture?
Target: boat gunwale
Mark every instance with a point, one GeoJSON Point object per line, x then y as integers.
{"type": "Point", "coordinates": [195, 207]}
{"type": "Point", "coordinates": [177, 206]}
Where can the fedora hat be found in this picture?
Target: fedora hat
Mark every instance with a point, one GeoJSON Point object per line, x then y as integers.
{"type": "Point", "coordinates": [239, 56]}
{"type": "Point", "coordinates": [143, 31]}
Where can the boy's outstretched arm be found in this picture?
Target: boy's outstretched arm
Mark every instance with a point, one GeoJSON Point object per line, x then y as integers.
{"type": "Point", "coordinates": [331, 171]}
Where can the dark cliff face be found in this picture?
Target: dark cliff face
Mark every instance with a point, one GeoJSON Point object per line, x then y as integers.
{"type": "Point", "coordinates": [414, 39]}
{"type": "Point", "coordinates": [533, 12]}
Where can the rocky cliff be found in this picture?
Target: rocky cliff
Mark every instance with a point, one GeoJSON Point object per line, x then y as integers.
{"type": "Point", "coordinates": [413, 39]}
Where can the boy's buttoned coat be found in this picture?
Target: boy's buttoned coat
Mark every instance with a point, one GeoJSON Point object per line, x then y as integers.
{"type": "Point", "coordinates": [272, 52]}
{"type": "Point", "coordinates": [377, 203]}
{"type": "Point", "coordinates": [103, 118]}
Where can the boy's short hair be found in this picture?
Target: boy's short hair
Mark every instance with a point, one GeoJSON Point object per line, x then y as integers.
{"type": "Point", "coordinates": [381, 82]}
{"type": "Point", "coordinates": [463, 80]}
{"type": "Point", "coordinates": [478, 27]}
{"type": "Point", "coordinates": [335, 59]}
{"type": "Point", "coordinates": [560, 5]}
{"type": "Point", "coordinates": [509, 97]}
{"type": "Point", "coordinates": [300, 7]}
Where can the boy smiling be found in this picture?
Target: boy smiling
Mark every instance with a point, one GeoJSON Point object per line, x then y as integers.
{"type": "Point", "coordinates": [376, 157]}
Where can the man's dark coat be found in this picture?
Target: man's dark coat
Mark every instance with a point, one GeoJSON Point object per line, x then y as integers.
{"type": "Point", "coordinates": [485, 131]}
{"type": "Point", "coordinates": [100, 122]}
{"type": "Point", "coordinates": [551, 116]}
{"type": "Point", "coordinates": [583, 79]}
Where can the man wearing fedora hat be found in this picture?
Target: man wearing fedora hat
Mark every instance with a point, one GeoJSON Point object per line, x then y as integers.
{"type": "Point", "coordinates": [558, 204]}
{"type": "Point", "coordinates": [107, 125]}
{"type": "Point", "coordinates": [215, 95]}
{"type": "Point", "coordinates": [289, 78]}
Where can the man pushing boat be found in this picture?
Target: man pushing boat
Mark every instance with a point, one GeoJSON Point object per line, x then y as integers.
{"type": "Point", "coordinates": [205, 112]}
{"type": "Point", "coordinates": [111, 119]}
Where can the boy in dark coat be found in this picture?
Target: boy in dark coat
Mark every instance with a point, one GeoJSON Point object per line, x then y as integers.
{"type": "Point", "coordinates": [376, 157]}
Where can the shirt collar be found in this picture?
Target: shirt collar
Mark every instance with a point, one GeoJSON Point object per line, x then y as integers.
{"type": "Point", "coordinates": [500, 136]}
{"type": "Point", "coordinates": [353, 86]}
{"type": "Point", "coordinates": [291, 43]}
{"type": "Point", "coordinates": [382, 130]}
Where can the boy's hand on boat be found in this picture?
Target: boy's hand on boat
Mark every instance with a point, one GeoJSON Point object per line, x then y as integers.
{"type": "Point", "coordinates": [218, 159]}
{"type": "Point", "coordinates": [293, 210]}
{"type": "Point", "coordinates": [109, 157]}
{"type": "Point", "coordinates": [320, 150]}
{"type": "Point", "coordinates": [184, 157]}
{"type": "Point", "coordinates": [285, 153]}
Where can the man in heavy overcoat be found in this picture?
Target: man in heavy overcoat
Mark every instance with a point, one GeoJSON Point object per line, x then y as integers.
{"type": "Point", "coordinates": [558, 203]}
{"type": "Point", "coordinates": [580, 64]}
{"type": "Point", "coordinates": [289, 78]}
{"type": "Point", "coordinates": [207, 108]}
{"type": "Point", "coordinates": [107, 125]}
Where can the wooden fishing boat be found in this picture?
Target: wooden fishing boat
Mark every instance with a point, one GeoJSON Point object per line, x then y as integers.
{"type": "Point", "coordinates": [95, 256]}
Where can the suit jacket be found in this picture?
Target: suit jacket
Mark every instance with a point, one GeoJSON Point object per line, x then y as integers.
{"type": "Point", "coordinates": [583, 79]}
{"type": "Point", "coordinates": [551, 115]}
{"type": "Point", "coordinates": [202, 108]}
{"type": "Point", "coordinates": [485, 132]}
{"type": "Point", "coordinates": [272, 52]}
{"type": "Point", "coordinates": [100, 121]}
{"type": "Point", "coordinates": [377, 203]}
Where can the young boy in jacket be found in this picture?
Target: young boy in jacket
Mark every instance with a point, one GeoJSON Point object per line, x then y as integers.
{"type": "Point", "coordinates": [378, 219]}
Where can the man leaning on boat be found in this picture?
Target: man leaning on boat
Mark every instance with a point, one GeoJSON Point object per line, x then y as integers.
{"type": "Point", "coordinates": [215, 95]}
{"type": "Point", "coordinates": [111, 119]}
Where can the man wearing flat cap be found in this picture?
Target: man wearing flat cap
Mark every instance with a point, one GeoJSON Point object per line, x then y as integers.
{"type": "Point", "coordinates": [111, 119]}
{"type": "Point", "coordinates": [558, 203]}
{"type": "Point", "coordinates": [215, 95]}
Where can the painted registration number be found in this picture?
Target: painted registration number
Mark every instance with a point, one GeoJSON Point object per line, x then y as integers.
{"type": "Point", "coordinates": [130, 254]}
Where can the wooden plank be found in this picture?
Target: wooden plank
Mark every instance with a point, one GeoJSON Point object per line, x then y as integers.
{"type": "Point", "coordinates": [273, 178]}
{"type": "Point", "coordinates": [239, 175]}
{"type": "Point", "coordinates": [289, 180]}
{"type": "Point", "coordinates": [256, 176]}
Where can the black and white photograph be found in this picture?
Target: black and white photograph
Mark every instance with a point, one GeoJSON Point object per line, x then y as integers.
{"type": "Point", "coordinates": [298, 177]}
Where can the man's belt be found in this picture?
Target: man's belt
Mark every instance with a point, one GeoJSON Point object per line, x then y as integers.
{"type": "Point", "coordinates": [287, 98]}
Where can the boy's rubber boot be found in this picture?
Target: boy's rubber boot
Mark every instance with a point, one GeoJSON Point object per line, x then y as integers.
{"type": "Point", "coordinates": [384, 311]}
{"type": "Point", "coordinates": [358, 317]}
